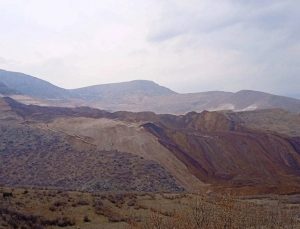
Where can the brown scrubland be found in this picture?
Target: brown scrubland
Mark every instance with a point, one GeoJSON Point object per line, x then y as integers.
{"type": "Point", "coordinates": [87, 168]}
{"type": "Point", "coordinates": [41, 208]}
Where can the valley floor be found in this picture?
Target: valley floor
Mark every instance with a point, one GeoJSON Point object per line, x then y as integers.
{"type": "Point", "coordinates": [41, 208]}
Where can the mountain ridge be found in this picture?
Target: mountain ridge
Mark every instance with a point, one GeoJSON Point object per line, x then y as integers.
{"type": "Point", "coordinates": [119, 90]}
{"type": "Point", "coordinates": [142, 95]}
{"type": "Point", "coordinates": [32, 86]}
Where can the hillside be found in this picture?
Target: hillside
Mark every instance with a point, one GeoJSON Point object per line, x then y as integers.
{"type": "Point", "coordinates": [219, 151]}
{"type": "Point", "coordinates": [37, 156]}
{"type": "Point", "coordinates": [196, 151]}
{"type": "Point", "coordinates": [53, 160]}
{"type": "Point", "coordinates": [270, 120]}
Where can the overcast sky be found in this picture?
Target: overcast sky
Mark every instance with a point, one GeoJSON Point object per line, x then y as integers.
{"type": "Point", "coordinates": [187, 45]}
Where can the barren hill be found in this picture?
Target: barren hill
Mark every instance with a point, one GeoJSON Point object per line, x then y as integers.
{"type": "Point", "coordinates": [220, 151]}
{"type": "Point", "coordinates": [34, 155]}
{"type": "Point", "coordinates": [196, 151]}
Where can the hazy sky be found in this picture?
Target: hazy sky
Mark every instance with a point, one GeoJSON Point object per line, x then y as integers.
{"type": "Point", "coordinates": [187, 45]}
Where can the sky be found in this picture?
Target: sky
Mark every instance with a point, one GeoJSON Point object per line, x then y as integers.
{"type": "Point", "coordinates": [186, 45]}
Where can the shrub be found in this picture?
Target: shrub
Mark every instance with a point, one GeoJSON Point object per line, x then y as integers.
{"type": "Point", "coordinates": [86, 219]}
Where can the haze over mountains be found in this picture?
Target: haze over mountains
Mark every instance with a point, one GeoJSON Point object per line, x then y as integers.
{"type": "Point", "coordinates": [138, 95]}
{"type": "Point", "coordinates": [149, 114]}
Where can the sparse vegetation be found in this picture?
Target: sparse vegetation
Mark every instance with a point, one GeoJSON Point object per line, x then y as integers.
{"type": "Point", "coordinates": [55, 162]}
{"type": "Point", "coordinates": [224, 212]}
{"type": "Point", "coordinates": [145, 211]}
{"type": "Point", "coordinates": [69, 182]}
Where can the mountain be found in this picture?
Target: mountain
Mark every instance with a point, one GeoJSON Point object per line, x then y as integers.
{"type": "Point", "coordinates": [94, 150]}
{"type": "Point", "coordinates": [212, 101]}
{"type": "Point", "coordinates": [32, 86]}
{"type": "Point", "coordinates": [251, 100]}
{"type": "Point", "coordinates": [122, 90]}
{"type": "Point", "coordinates": [294, 95]}
{"type": "Point", "coordinates": [173, 104]}
{"type": "Point", "coordinates": [4, 90]}
{"type": "Point", "coordinates": [141, 95]}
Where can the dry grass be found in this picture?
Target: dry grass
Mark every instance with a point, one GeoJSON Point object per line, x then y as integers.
{"type": "Point", "coordinates": [225, 212]}
{"type": "Point", "coordinates": [32, 208]}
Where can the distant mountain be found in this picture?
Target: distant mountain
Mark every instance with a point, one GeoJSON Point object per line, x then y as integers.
{"type": "Point", "coordinates": [122, 90]}
{"type": "Point", "coordinates": [212, 101]}
{"type": "Point", "coordinates": [294, 95]}
{"type": "Point", "coordinates": [252, 100]}
{"type": "Point", "coordinates": [35, 87]}
{"type": "Point", "coordinates": [141, 95]}
{"type": "Point", "coordinates": [32, 86]}
{"type": "Point", "coordinates": [4, 90]}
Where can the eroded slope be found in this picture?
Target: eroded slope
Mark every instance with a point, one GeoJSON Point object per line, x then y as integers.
{"type": "Point", "coordinates": [218, 150]}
